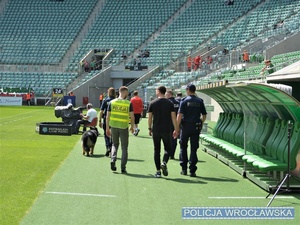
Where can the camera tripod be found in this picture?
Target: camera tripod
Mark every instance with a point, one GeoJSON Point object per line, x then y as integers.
{"type": "Point", "coordinates": [288, 174]}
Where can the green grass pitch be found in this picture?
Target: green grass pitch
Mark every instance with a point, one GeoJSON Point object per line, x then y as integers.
{"type": "Point", "coordinates": [46, 180]}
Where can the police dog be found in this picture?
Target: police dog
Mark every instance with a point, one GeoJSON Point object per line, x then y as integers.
{"type": "Point", "coordinates": [89, 139]}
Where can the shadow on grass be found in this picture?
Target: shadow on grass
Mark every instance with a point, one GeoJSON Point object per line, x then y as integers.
{"type": "Point", "coordinates": [187, 181]}
{"type": "Point", "coordinates": [139, 175]}
{"type": "Point", "coordinates": [96, 156]}
{"type": "Point", "coordinates": [147, 137]}
{"type": "Point", "coordinates": [129, 160]}
{"type": "Point", "coordinates": [201, 180]}
{"type": "Point", "coordinates": [178, 160]}
{"type": "Point", "coordinates": [217, 179]}
{"type": "Point", "coordinates": [288, 203]}
{"type": "Point", "coordinates": [180, 180]}
{"type": "Point", "coordinates": [135, 160]}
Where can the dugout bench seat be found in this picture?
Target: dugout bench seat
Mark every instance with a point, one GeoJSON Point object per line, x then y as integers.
{"type": "Point", "coordinates": [266, 143]}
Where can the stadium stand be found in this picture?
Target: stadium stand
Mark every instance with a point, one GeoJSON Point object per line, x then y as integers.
{"type": "Point", "coordinates": [253, 72]}
{"type": "Point", "coordinates": [44, 31]}
{"type": "Point", "coordinates": [41, 83]}
{"type": "Point", "coordinates": [126, 28]}
{"type": "Point", "coordinates": [282, 60]}
{"type": "Point", "coordinates": [264, 18]}
{"type": "Point", "coordinates": [195, 26]}
{"type": "Point", "coordinates": [40, 32]}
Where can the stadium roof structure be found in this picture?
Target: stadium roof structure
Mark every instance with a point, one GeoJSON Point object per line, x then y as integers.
{"type": "Point", "coordinates": [257, 99]}
{"type": "Point", "coordinates": [289, 73]}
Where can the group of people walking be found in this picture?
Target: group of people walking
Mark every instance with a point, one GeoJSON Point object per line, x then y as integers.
{"type": "Point", "coordinates": [166, 122]}
{"type": "Point", "coordinates": [169, 118]}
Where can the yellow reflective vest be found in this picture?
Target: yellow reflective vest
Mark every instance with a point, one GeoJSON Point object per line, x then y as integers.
{"type": "Point", "coordinates": [119, 113]}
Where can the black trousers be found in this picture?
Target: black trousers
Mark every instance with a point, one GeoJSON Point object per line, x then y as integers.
{"type": "Point", "coordinates": [108, 141]}
{"type": "Point", "coordinates": [81, 122]}
{"type": "Point", "coordinates": [189, 132]}
{"type": "Point", "coordinates": [157, 138]}
{"type": "Point", "coordinates": [173, 147]}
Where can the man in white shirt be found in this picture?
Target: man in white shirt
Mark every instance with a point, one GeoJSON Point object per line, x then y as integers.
{"type": "Point", "coordinates": [90, 115]}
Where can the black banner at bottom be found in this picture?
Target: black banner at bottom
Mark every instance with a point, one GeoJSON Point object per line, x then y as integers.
{"type": "Point", "coordinates": [51, 128]}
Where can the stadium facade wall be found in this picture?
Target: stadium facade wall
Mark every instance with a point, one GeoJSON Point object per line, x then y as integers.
{"type": "Point", "coordinates": [290, 44]}
{"type": "Point", "coordinates": [92, 88]}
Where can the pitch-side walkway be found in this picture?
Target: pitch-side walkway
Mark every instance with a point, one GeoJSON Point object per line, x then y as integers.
{"type": "Point", "coordinates": [85, 191]}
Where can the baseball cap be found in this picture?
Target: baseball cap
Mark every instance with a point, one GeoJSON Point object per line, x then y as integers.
{"type": "Point", "coordinates": [191, 87]}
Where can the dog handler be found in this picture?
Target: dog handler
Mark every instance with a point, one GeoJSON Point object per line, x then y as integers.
{"type": "Point", "coordinates": [191, 116]}
{"type": "Point", "coordinates": [118, 112]}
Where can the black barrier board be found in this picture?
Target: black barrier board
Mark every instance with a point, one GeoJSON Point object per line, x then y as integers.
{"type": "Point", "coordinates": [51, 128]}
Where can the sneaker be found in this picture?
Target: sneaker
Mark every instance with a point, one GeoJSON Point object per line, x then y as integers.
{"type": "Point", "coordinates": [113, 166]}
{"type": "Point", "coordinates": [137, 131]}
{"type": "Point", "coordinates": [108, 151]}
{"type": "Point", "coordinates": [157, 174]}
{"type": "Point", "coordinates": [164, 168]}
{"type": "Point", "coordinates": [183, 172]}
{"type": "Point", "coordinates": [124, 171]}
{"type": "Point", "coordinates": [193, 175]}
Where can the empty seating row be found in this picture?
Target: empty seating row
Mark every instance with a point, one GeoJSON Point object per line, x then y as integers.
{"type": "Point", "coordinates": [287, 58]}
{"type": "Point", "coordinates": [253, 72]}
{"type": "Point", "coordinates": [193, 27]}
{"type": "Point", "coordinates": [258, 21]}
{"type": "Point", "coordinates": [40, 82]}
{"type": "Point", "coordinates": [40, 32]}
{"type": "Point", "coordinates": [124, 26]}
{"type": "Point", "coordinates": [259, 141]}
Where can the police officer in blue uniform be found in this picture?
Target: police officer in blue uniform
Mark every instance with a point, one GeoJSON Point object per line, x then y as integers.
{"type": "Point", "coordinates": [178, 97]}
{"type": "Point", "coordinates": [111, 94]}
{"type": "Point", "coordinates": [170, 96]}
{"type": "Point", "coordinates": [191, 116]}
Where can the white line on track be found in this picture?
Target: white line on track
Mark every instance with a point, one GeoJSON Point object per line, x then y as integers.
{"type": "Point", "coordinates": [80, 194]}
{"type": "Point", "coordinates": [249, 197]}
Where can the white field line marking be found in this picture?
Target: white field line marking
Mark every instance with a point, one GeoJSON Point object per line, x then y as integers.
{"type": "Point", "coordinates": [249, 197]}
{"type": "Point", "coordinates": [16, 120]}
{"type": "Point", "coordinates": [80, 194]}
{"type": "Point", "coordinates": [19, 115]}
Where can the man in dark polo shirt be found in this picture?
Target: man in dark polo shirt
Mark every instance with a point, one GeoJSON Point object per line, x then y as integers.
{"type": "Point", "coordinates": [191, 116]}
